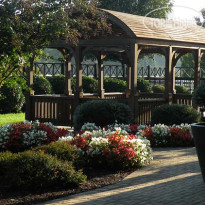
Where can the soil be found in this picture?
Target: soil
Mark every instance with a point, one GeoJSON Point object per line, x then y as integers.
{"type": "Point", "coordinates": [96, 179]}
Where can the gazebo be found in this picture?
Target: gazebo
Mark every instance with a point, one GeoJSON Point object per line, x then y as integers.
{"type": "Point", "coordinates": [131, 35]}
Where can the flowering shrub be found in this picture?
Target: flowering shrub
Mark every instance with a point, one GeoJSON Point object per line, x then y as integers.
{"type": "Point", "coordinates": [113, 148]}
{"type": "Point", "coordinates": [168, 136]}
{"type": "Point", "coordinates": [22, 136]}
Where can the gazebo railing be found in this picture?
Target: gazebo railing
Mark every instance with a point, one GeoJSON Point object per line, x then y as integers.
{"type": "Point", "coordinates": [183, 99]}
{"type": "Point", "coordinates": [52, 108]}
{"type": "Point", "coordinates": [144, 108]}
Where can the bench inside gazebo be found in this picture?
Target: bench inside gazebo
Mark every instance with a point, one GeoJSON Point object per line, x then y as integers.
{"type": "Point", "coordinates": [131, 36]}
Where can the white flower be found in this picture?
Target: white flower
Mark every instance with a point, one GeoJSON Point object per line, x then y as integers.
{"type": "Point", "coordinates": [66, 138]}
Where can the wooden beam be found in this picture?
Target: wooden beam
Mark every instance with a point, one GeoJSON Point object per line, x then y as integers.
{"type": "Point", "coordinates": [68, 89]}
{"type": "Point", "coordinates": [79, 72]}
{"type": "Point", "coordinates": [197, 69]}
{"type": "Point", "coordinates": [101, 90]}
{"type": "Point", "coordinates": [169, 74]}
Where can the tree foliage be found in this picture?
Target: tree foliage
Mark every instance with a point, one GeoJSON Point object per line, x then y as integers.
{"type": "Point", "coordinates": [139, 7]}
{"type": "Point", "coordinates": [27, 26]}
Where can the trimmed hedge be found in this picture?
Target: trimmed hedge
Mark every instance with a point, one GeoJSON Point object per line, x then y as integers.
{"type": "Point", "coordinates": [158, 89]}
{"type": "Point", "coordinates": [182, 90]}
{"type": "Point", "coordinates": [37, 170]}
{"type": "Point", "coordinates": [143, 85]}
{"type": "Point", "coordinates": [174, 114]}
{"type": "Point", "coordinates": [57, 83]}
{"type": "Point", "coordinates": [114, 85]}
{"type": "Point", "coordinates": [199, 96]}
{"type": "Point", "coordinates": [102, 113]}
{"type": "Point", "coordinates": [11, 98]}
{"type": "Point", "coordinates": [41, 85]}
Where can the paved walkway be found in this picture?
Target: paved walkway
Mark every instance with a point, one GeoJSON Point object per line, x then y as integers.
{"type": "Point", "coordinates": [173, 178]}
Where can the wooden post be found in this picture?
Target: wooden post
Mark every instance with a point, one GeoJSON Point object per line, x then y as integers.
{"type": "Point", "coordinates": [79, 72]}
{"type": "Point", "coordinates": [134, 55]}
{"type": "Point", "coordinates": [101, 90]}
{"type": "Point", "coordinates": [128, 90]}
{"type": "Point", "coordinates": [29, 109]}
{"type": "Point", "coordinates": [169, 75]}
{"type": "Point", "coordinates": [68, 89]}
{"type": "Point", "coordinates": [197, 69]}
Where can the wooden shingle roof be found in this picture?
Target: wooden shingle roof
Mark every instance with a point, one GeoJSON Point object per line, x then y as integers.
{"type": "Point", "coordinates": [152, 28]}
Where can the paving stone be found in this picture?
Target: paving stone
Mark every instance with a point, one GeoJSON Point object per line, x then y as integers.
{"type": "Point", "coordinates": [173, 178]}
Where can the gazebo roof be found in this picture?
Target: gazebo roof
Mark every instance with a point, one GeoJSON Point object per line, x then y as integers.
{"type": "Point", "coordinates": [150, 28]}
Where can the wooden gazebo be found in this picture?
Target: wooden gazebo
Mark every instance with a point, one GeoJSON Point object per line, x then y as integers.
{"type": "Point", "coordinates": [131, 36]}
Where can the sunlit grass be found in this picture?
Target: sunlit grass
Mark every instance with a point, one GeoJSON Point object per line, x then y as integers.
{"type": "Point", "coordinates": [11, 118]}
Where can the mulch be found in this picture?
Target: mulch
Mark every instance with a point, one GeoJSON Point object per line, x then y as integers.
{"type": "Point", "coordinates": [96, 179]}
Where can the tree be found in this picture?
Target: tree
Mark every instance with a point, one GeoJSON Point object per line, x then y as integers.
{"type": "Point", "coordinates": [27, 26]}
{"type": "Point", "coordinates": [139, 7]}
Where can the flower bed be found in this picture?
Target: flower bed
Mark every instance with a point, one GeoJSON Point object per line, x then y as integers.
{"type": "Point", "coordinates": [167, 136]}
{"type": "Point", "coordinates": [112, 148]}
{"type": "Point", "coordinates": [23, 136]}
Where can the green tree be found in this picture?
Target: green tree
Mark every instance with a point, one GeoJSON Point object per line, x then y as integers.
{"type": "Point", "coordinates": [139, 7]}
{"type": "Point", "coordinates": [27, 26]}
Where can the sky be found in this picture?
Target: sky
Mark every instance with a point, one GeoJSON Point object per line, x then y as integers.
{"type": "Point", "coordinates": [187, 9]}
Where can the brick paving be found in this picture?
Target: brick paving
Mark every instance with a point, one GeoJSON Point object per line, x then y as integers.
{"type": "Point", "coordinates": [173, 178]}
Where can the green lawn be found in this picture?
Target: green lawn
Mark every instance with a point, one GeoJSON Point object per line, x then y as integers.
{"type": "Point", "coordinates": [11, 118]}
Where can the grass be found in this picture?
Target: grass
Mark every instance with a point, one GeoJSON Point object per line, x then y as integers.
{"type": "Point", "coordinates": [11, 118]}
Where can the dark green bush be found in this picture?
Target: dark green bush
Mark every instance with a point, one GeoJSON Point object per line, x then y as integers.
{"type": "Point", "coordinates": [199, 96]}
{"type": "Point", "coordinates": [57, 84]}
{"type": "Point", "coordinates": [41, 85]}
{"type": "Point", "coordinates": [158, 89]}
{"type": "Point", "coordinates": [37, 170]}
{"type": "Point", "coordinates": [174, 114]}
{"type": "Point", "coordinates": [63, 151]}
{"type": "Point", "coordinates": [90, 85]}
{"type": "Point", "coordinates": [182, 90]}
{"type": "Point", "coordinates": [114, 85]}
{"type": "Point", "coordinates": [102, 113]}
{"type": "Point", "coordinates": [11, 98]}
{"type": "Point", "coordinates": [143, 85]}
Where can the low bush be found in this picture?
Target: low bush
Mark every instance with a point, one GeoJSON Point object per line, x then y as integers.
{"type": "Point", "coordinates": [114, 85]}
{"type": "Point", "coordinates": [143, 85]}
{"type": "Point", "coordinates": [158, 89]}
{"type": "Point", "coordinates": [174, 114]}
{"type": "Point", "coordinates": [101, 112]}
{"type": "Point", "coordinates": [37, 170]}
{"type": "Point", "coordinates": [63, 151]}
{"type": "Point", "coordinates": [57, 83]}
{"type": "Point", "coordinates": [41, 85]}
{"type": "Point", "coordinates": [90, 85]}
{"type": "Point", "coordinates": [23, 136]}
{"type": "Point", "coordinates": [182, 90]}
{"type": "Point", "coordinates": [199, 96]}
{"type": "Point", "coordinates": [11, 98]}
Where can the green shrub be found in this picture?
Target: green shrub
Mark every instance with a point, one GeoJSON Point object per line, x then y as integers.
{"type": "Point", "coordinates": [174, 114]}
{"type": "Point", "coordinates": [41, 85]}
{"type": "Point", "coordinates": [63, 151]}
{"type": "Point", "coordinates": [90, 85]}
{"type": "Point", "coordinates": [199, 96]}
{"type": "Point", "coordinates": [57, 83]}
{"type": "Point", "coordinates": [11, 98]}
{"type": "Point", "coordinates": [38, 170]}
{"type": "Point", "coordinates": [158, 89]}
{"type": "Point", "coordinates": [182, 89]}
{"type": "Point", "coordinates": [143, 85]}
{"type": "Point", "coordinates": [114, 85]}
{"type": "Point", "coordinates": [102, 113]}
